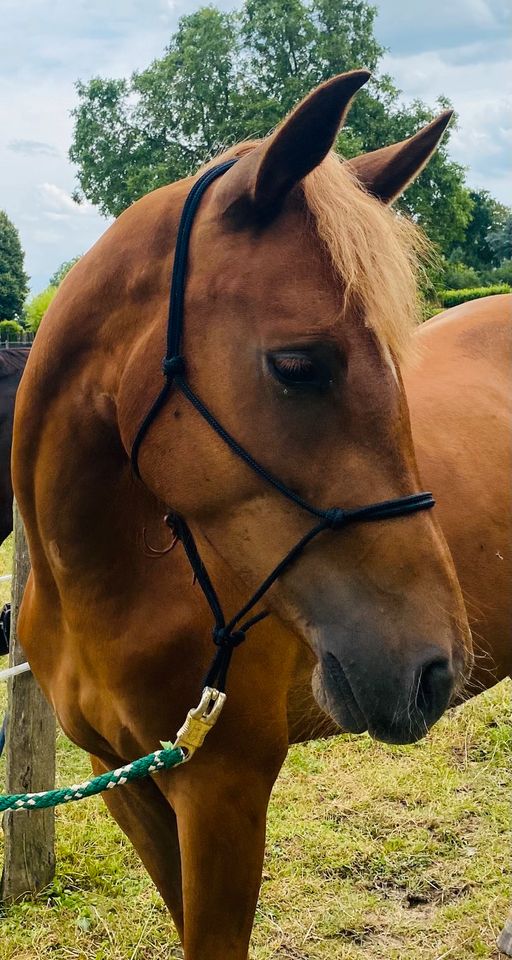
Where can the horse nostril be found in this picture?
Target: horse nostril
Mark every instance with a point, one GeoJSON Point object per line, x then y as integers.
{"type": "Point", "coordinates": [435, 685]}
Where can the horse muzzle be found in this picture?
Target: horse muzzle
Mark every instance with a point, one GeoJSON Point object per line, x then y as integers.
{"type": "Point", "coordinates": [396, 707]}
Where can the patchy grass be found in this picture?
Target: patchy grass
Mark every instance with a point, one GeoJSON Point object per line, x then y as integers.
{"type": "Point", "coordinates": [374, 853]}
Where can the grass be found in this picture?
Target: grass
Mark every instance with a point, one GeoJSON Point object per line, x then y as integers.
{"type": "Point", "coordinates": [374, 853]}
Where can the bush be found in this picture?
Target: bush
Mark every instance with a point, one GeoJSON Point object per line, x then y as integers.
{"type": "Point", "coordinates": [458, 276]}
{"type": "Point", "coordinates": [13, 279]}
{"type": "Point", "coordinates": [450, 298]}
{"type": "Point", "coordinates": [36, 309]}
{"type": "Point", "coordinates": [10, 330]}
{"type": "Point", "coordinates": [502, 274]}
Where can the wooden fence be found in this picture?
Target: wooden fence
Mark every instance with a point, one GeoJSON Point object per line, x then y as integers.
{"type": "Point", "coordinates": [22, 340]}
{"type": "Point", "coordinates": [29, 859]}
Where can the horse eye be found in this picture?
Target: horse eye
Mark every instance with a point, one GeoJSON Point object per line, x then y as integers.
{"type": "Point", "coordinates": [297, 369]}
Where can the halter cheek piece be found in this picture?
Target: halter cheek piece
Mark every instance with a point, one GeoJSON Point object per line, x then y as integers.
{"type": "Point", "coordinates": [229, 635]}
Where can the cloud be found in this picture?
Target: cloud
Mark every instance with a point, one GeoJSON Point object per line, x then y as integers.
{"type": "Point", "coordinates": [57, 202]}
{"type": "Point", "coordinates": [436, 24]}
{"type": "Point", "coordinates": [482, 140]}
{"type": "Point", "coordinates": [38, 69]}
{"type": "Point", "coordinates": [46, 237]}
{"type": "Point", "coordinates": [460, 49]}
{"type": "Point", "coordinates": [31, 147]}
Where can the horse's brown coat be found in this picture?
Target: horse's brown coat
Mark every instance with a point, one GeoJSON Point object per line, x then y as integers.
{"type": "Point", "coordinates": [460, 404]}
{"type": "Point", "coordinates": [119, 638]}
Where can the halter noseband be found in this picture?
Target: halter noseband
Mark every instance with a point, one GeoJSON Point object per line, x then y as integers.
{"type": "Point", "coordinates": [229, 635]}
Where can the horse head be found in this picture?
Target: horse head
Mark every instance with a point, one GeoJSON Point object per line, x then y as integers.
{"type": "Point", "coordinates": [299, 303]}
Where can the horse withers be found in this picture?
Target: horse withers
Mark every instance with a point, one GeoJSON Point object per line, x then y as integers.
{"type": "Point", "coordinates": [300, 300]}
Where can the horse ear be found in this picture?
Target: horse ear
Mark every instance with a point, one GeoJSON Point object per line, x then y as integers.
{"type": "Point", "coordinates": [261, 179]}
{"type": "Point", "coordinates": [387, 172]}
{"type": "Point", "coordinates": [303, 140]}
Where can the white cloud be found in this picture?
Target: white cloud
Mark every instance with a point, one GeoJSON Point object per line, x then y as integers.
{"type": "Point", "coordinates": [478, 91]}
{"type": "Point", "coordinates": [56, 200]}
{"type": "Point", "coordinates": [46, 237]}
{"type": "Point", "coordinates": [434, 24]}
{"type": "Point", "coordinates": [31, 147]}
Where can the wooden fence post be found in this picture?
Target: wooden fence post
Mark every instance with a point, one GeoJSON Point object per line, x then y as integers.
{"type": "Point", "coordinates": [29, 860]}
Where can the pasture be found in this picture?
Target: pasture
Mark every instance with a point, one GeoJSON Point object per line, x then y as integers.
{"type": "Point", "coordinates": [374, 852]}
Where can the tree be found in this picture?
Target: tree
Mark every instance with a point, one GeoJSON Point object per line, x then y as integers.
{"type": "Point", "coordinates": [133, 136]}
{"type": "Point", "coordinates": [459, 276]}
{"type": "Point", "coordinates": [37, 307]}
{"type": "Point", "coordinates": [500, 238]}
{"type": "Point", "coordinates": [503, 273]}
{"type": "Point", "coordinates": [487, 218]}
{"type": "Point", "coordinates": [10, 330]}
{"type": "Point", "coordinates": [230, 76]}
{"type": "Point", "coordinates": [62, 271]}
{"type": "Point", "coordinates": [13, 279]}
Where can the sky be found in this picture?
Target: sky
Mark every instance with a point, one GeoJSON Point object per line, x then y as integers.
{"type": "Point", "coordinates": [458, 48]}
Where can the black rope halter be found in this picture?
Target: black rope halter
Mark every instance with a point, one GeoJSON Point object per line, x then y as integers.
{"type": "Point", "coordinates": [229, 635]}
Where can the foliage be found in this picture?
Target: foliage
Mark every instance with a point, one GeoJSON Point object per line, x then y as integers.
{"type": "Point", "coordinates": [457, 276]}
{"type": "Point", "coordinates": [10, 330]}
{"type": "Point", "coordinates": [63, 271]}
{"type": "Point", "coordinates": [481, 245]}
{"type": "Point", "coordinates": [13, 279]}
{"type": "Point", "coordinates": [229, 76]}
{"type": "Point", "coordinates": [503, 273]}
{"type": "Point", "coordinates": [37, 307]}
{"type": "Point", "coordinates": [500, 239]}
{"type": "Point", "coordinates": [450, 298]}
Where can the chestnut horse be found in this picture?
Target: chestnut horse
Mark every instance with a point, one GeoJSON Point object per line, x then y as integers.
{"type": "Point", "coordinates": [300, 302]}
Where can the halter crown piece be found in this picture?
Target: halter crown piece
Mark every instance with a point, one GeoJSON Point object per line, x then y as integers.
{"type": "Point", "coordinates": [227, 636]}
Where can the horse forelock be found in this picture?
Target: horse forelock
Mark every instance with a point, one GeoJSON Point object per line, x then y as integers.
{"type": "Point", "coordinates": [376, 253]}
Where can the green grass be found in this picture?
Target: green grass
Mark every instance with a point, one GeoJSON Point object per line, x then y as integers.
{"type": "Point", "coordinates": [374, 853]}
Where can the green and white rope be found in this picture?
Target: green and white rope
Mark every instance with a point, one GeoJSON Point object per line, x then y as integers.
{"type": "Point", "coordinates": [137, 770]}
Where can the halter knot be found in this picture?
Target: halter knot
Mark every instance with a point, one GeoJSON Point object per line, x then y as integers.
{"type": "Point", "coordinates": [335, 518]}
{"type": "Point", "coordinates": [222, 637]}
{"type": "Point", "coordinates": [173, 367]}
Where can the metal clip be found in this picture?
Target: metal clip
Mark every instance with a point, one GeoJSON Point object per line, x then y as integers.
{"type": "Point", "coordinates": [199, 721]}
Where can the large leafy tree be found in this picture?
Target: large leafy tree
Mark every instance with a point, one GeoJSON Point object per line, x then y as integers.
{"type": "Point", "coordinates": [13, 279]}
{"type": "Point", "coordinates": [62, 271]}
{"type": "Point", "coordinates": [479, 247]}
{"type": "Point", "coordinates": [500, 238]}
{"type": "Point", "coordinates": [229, 76]}
{"type": "Point", "coordinates": [37, 307]}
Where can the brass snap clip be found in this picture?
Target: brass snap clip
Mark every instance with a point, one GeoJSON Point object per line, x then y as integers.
{"type": "Point", "coordinates": [198, 722]}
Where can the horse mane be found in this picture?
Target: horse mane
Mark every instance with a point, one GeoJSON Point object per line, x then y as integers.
{"type": "Point", "coordinates": [376, 253]}
{"type": "Point", "coordinates": [12, 359]}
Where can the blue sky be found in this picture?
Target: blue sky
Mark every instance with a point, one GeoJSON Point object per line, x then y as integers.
{"type": "Point", "coordinates": [460, 48]}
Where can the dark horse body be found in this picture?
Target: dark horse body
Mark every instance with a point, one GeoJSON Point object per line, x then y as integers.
{"type": "Point", "coordinates": [299, 302]}
{"type": "Point", "coordinates": [12, 365]}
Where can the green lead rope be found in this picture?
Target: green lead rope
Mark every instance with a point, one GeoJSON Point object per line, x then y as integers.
{"type": "Point", "coordinates": [137, 770]}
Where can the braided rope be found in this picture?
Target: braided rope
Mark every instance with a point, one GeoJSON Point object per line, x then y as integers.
{"type": "Point", "coordinates": [137, 770]}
